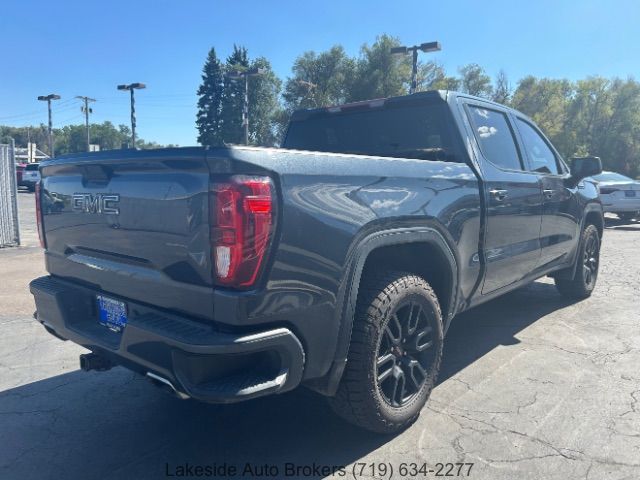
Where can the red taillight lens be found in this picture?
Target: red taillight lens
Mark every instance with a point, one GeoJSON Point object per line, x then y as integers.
{"type": "Point", "coordinates": [39, 216]}
{"type": "Point", "coordinates": [242, 216]}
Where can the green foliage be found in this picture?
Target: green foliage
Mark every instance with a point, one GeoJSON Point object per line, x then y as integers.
{"type": "Point", "coordinates": [219, 118]}
{"type": "Point", "coordinates": [502, 89]}
{"type": "Point", "coordinates": [475, 81]}
{"type": "Point", "coordinates": [378, 73]}
{"type": "Point", "coordinates": [545, 101]}
{"type": "Point", "coordinates": [432, 76]}
{"type": "Point", "coordinates": [594, 116]}
{"type": "Point", "coordinates": [209, 116]}
{"type": "Point", "coordinates": [23, 135]}
{"type": "Point", "coordinates": [319, 79]}
{"type": "Point", "coordinates": [263, 104]}
{"type": "Point", "coordinates": [233, 96]}
{"type": "Point", "coordinates": [72, 138]}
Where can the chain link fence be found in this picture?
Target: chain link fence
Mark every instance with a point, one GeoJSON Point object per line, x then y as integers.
{"type": "Point", "coordinates": [9, 228]}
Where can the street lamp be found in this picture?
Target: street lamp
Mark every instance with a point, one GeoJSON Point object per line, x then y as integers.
{"type": "Point", "coordinates": [131, 87]}
{"type": "Point", "coordinates": [237, 75]}
{"type": "Point", "coordinates": [425, 47]}
{"type": "Point", "coordinates": [48, 98]}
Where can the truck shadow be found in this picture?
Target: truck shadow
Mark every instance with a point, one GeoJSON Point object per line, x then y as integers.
{"type": "Point", "coordinates": [116, 425]}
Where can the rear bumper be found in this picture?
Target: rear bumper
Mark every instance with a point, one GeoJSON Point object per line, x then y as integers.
{"type": "Point", "coordinates": [199, 361]}
{"type": "Point", "coordinates": [621, 205]}
{"type": "Point", "coordinates": [621, 208]}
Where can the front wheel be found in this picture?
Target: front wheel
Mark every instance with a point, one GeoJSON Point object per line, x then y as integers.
{"type": "Point", "coordinates": [584, 280]}
{"type": "Point", "coordinates": [394, 356]}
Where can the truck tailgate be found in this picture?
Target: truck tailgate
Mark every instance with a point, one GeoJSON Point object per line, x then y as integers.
{"type": "Point", "coordinates": [133, 224]}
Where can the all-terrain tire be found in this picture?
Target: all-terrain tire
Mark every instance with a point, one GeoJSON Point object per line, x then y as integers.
{"type": "Point", "coordinates": [588, 262]}
{"type": "Point", "coordinates": [360, 398]}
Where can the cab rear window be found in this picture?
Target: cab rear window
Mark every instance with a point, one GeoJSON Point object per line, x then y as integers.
{"type": "Point", "coordinates": [417, 131]}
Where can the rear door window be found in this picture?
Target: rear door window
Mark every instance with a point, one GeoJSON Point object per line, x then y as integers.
{"type": "Point", "coordinates": [495, 137]}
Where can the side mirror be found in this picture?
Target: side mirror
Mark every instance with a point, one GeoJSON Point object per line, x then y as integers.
{"type": "Point", "coordinates": [583, 167]}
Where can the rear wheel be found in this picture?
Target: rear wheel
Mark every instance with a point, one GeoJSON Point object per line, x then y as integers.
{"type": "Point", "coordinates": [394, 356]}
{"type": "Point", "coordinates": [584, 280]}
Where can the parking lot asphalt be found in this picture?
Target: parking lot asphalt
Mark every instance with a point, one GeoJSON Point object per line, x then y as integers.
{"type": "Point", "coordinates": [533, 387]}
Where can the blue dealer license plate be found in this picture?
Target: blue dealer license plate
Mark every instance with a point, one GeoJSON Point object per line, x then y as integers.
{"type": "Point", "coordinates": [112, 313]}
{"type": "Point", "coordinates": [630, 193]}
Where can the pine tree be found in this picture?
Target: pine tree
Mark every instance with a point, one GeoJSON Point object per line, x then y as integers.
{"type": "Point", "coordinates": [209, 119]}
{"type": "Point", "coordinates": [233, 96]}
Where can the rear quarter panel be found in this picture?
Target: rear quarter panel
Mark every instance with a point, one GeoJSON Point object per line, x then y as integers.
{"type": "Point", "coordinates": [331, 201]}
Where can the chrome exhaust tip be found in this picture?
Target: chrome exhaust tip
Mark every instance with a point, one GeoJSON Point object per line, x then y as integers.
{"type": "Point", "coordinates": [163, 383]}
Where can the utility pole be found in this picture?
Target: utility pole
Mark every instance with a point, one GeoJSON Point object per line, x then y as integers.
{"type": "Point", "coordinates": [87, 111]}
{"type": "Point", "coordinates": [425, 47]}
{"type": "Point", "coordinates": [48, 98]}
{"type": "Point", "coordinates": [131, 87]}
{"type": "Point", "coordinates": [252, 72]}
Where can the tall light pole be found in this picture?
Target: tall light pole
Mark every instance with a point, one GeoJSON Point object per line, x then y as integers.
{"type": "Point", "coordinates": [425, 47]}
{"type": "Point", "coordinates": [252, 72]}
{"type": "Point", "coordinates": [87, 111]}
{"type": "Point", "coordinates": [131, 87]}
{"type": "Point", "coordinates": [48, 98]}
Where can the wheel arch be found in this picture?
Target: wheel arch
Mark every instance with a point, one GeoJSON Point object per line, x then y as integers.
{"type": "Point", "coordinates": [592, 215]}
{"type": "Point", "coordinates": [375, 246]}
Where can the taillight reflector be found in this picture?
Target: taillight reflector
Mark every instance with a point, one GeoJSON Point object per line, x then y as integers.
{"type": "Point", "coordinates": [242, 215]}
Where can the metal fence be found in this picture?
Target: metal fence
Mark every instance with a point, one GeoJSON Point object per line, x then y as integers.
{"type": "Point", "coordinates": [9, 228]}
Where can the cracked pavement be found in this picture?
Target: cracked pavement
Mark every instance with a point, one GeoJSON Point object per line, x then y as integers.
{"type": "Point", "coordinates": [532, 387]}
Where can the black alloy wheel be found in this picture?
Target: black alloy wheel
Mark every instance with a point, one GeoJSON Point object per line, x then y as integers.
{"type": "Point", "coordinates": [406, 354]}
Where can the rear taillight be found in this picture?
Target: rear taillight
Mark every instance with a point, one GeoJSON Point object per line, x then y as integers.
{"type": "Point", "coordinates": [39, 215]}
{"type": "Point", "coordinates": [242, 223]}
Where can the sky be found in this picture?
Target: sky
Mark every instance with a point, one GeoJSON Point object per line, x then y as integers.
{"type": "Point", "coordinates": [88, 47]}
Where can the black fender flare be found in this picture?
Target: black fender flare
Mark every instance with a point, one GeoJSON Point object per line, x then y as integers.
{"type": "Point", "coordinates": [570, 273]}
{"type": "Point", "coordinates": [348, 293]}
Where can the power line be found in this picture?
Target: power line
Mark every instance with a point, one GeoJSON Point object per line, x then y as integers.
{"type": "Point", "coordinates": [77, 116]}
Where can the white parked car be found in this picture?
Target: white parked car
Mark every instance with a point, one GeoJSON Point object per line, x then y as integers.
{"type": "Point", "coordinates": [619, 194]}
{"type": "Point", "coordinates": [30, 176]}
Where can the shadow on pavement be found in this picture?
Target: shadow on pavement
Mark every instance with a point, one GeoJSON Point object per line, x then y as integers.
{"type": "Point", "coordinates": [116, 425]}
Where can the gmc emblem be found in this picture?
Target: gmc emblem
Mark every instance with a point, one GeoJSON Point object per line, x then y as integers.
{"type": "Point", "coordinates": [106, 203]}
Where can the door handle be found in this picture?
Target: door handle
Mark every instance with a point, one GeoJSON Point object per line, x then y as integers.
{"type": "Point", "coordinates": [548, 192]}
{"type": "Point", "coordinates": [499, 195]}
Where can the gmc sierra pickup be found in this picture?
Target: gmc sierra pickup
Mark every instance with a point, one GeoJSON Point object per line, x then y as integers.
{"type": "Point", "coordinates": [336, 262]}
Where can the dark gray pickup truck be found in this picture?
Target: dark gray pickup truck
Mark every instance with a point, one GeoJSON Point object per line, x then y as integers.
{"type": "Point", "coordinates": [336, 262]}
